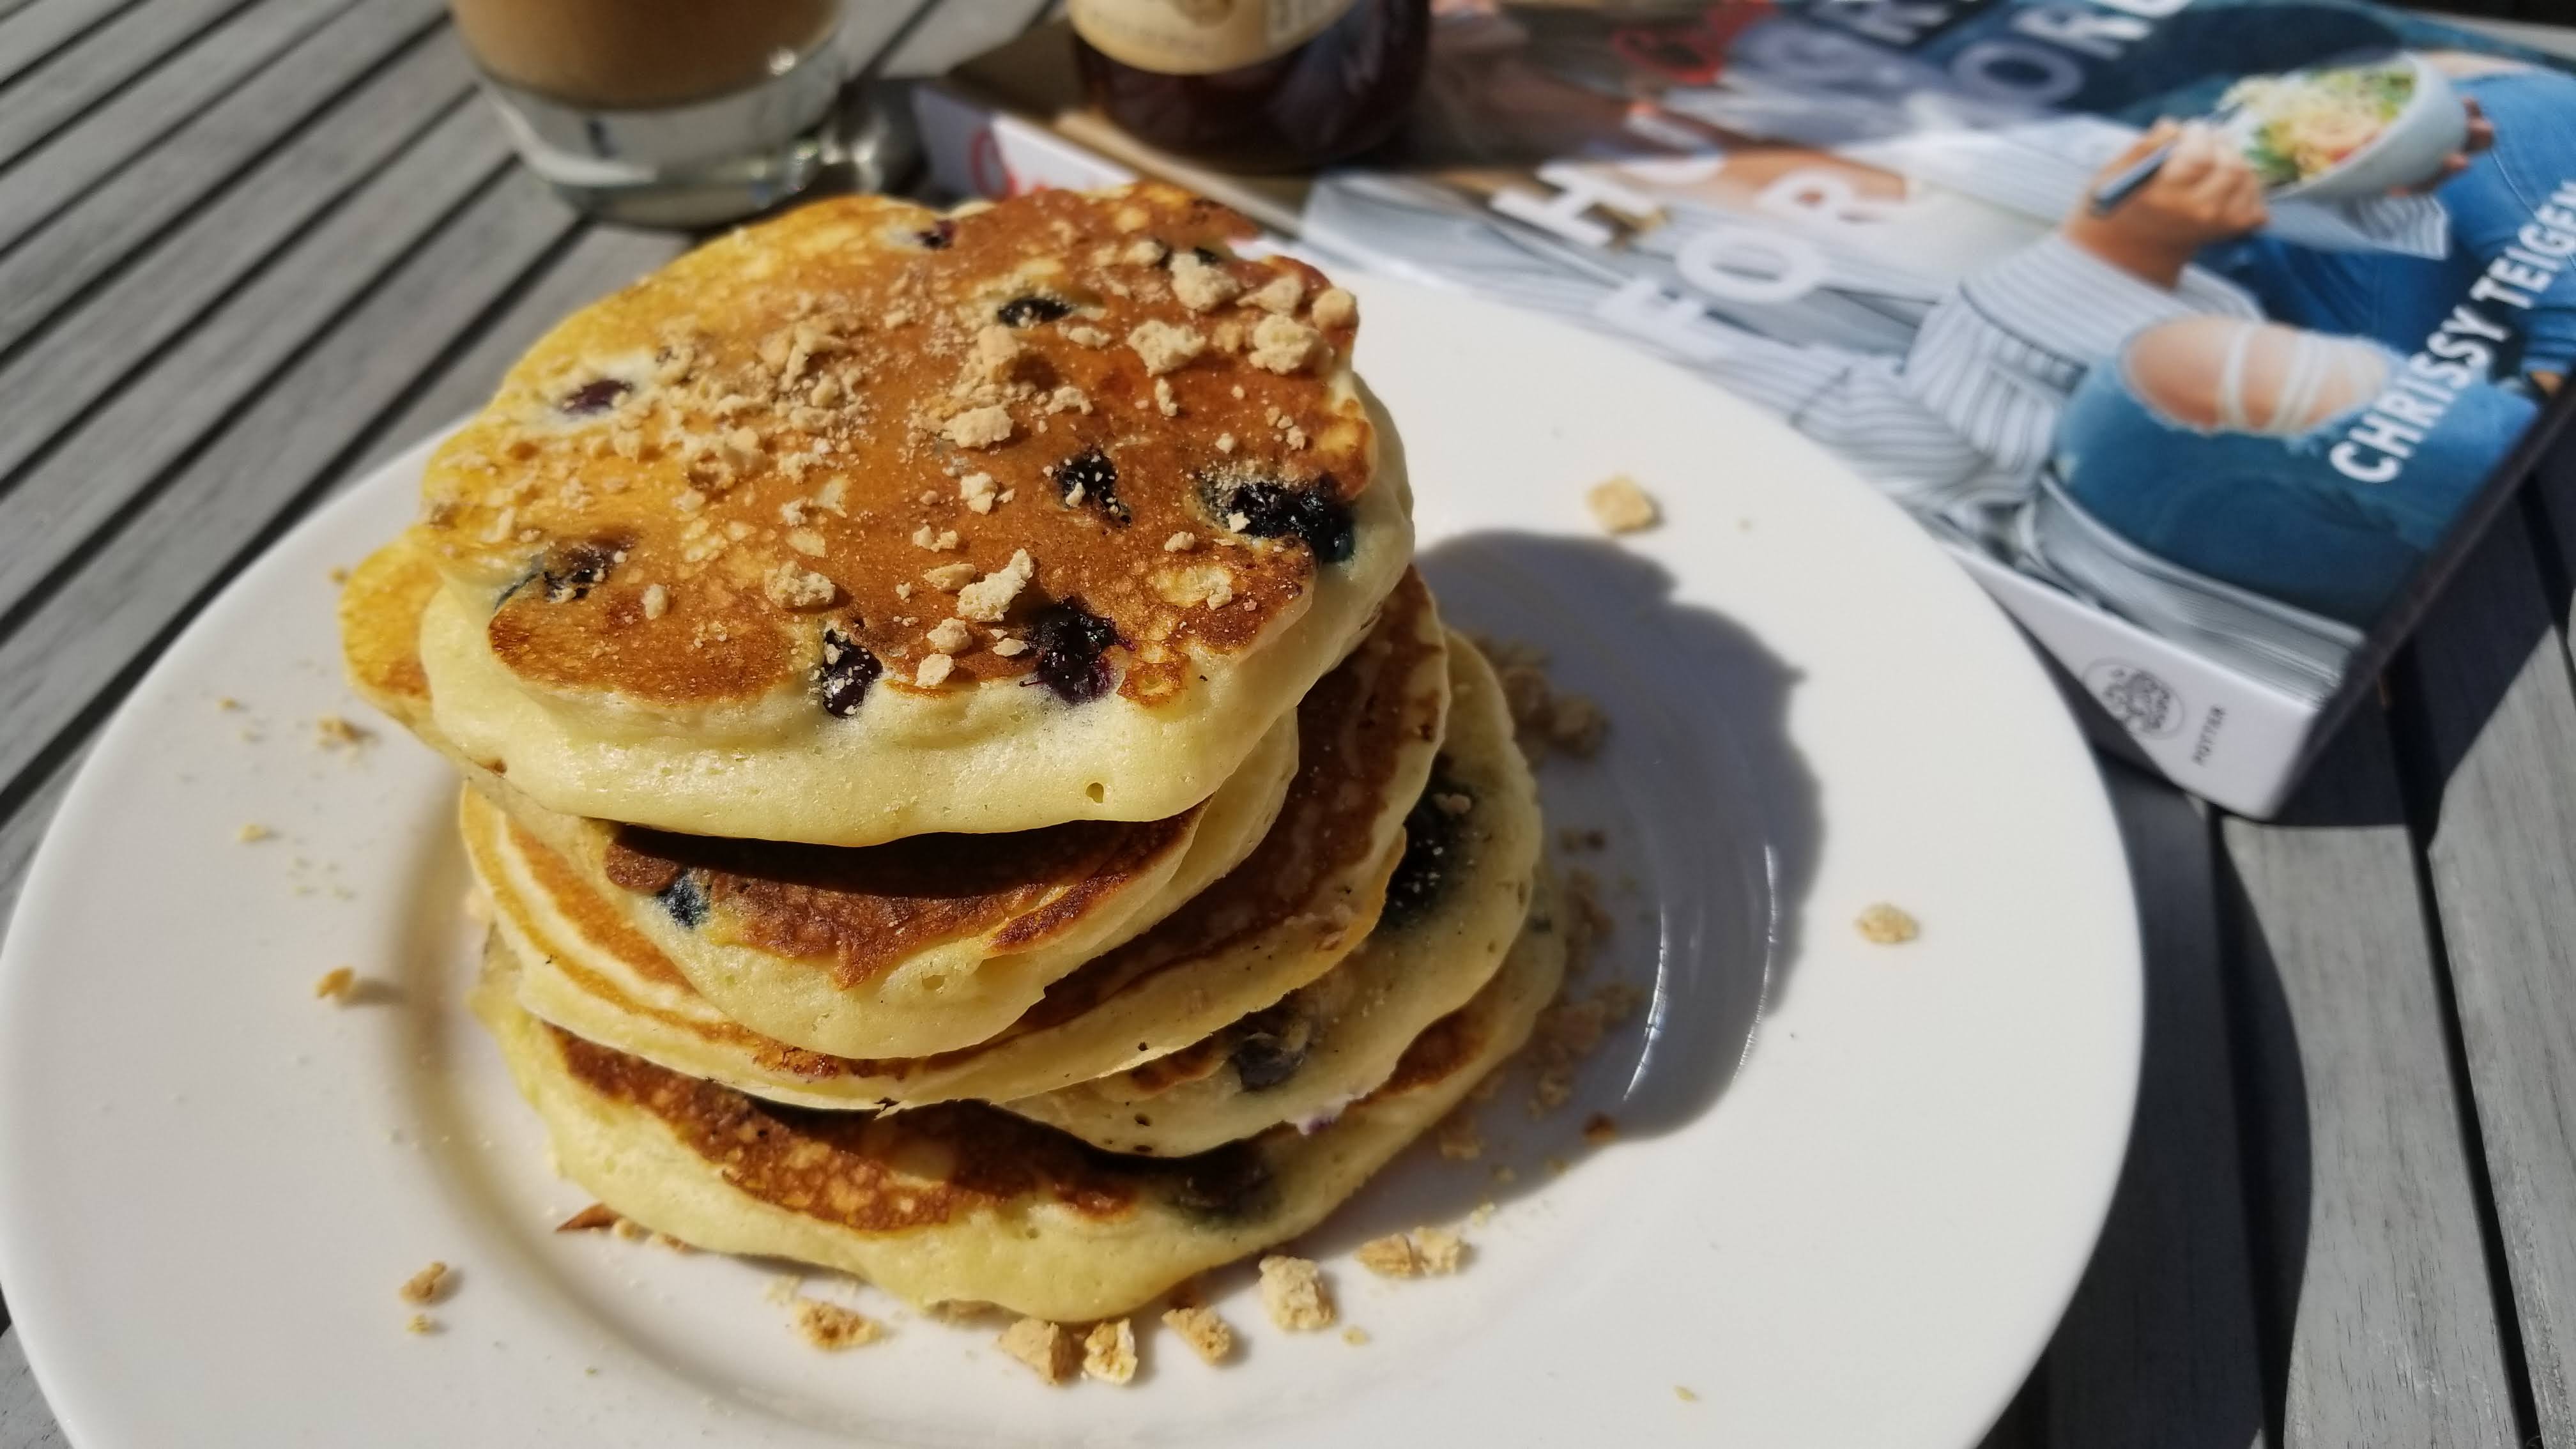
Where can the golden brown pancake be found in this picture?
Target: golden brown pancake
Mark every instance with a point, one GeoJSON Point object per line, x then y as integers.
{"type": "Point", "coordinates": [1455, 905]}
{"type": "Point", "coordinates": [867, 522]}
{"type": "Point", "coordinates": [1306, 896]}
{"type": "Point", "coordinates": [922, 945]}
{"type": "Point", "coordinates": [965, 1203]}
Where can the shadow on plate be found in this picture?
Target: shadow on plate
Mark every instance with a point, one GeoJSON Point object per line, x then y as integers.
{"type": "Point", "coordinates": [1709, 826]}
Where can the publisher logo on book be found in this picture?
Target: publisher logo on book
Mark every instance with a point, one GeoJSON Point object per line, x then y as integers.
{"type": "Point", "coordinates": [2137, 699]}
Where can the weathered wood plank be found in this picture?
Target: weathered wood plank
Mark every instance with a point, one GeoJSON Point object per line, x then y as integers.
{"type": "Point", "coordinates": [2490, 685]}
{"type": "Point", "coordinates": [31, 32]}
{"type": "Point", "coordinates": [25, 1422]}
{"type": "Point", "coordinates": [47, 178]}
{"type": "Point", "coordinates": [2158, 1348]}
{"type": "Point", "coordinates": [29, 809]}
{"type": "Point", "coordinates": [136, 206]}
{"type": "Point", "coordinates": [955, 31]}
{"type": "Point", "coordinates": [2383, 1317]}
{"type": "Point", "coordinates": [269, 462]}
{"type": "Point", "coordinates": [867, 30]}
{"type": "Point", "coordinates": [603, 260]}
{"type": "Point", "coordinates": [75, 78]}
{"type": "Point", "coordinates": [2023, 1423]}
{"type": "Point", "coordinates": [119, 451]}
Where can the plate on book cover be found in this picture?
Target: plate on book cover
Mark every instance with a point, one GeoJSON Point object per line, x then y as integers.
{"type": "Point", "coordinates": [1860, 1229]}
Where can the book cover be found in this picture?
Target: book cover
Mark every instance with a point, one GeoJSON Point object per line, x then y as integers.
{"type": "Point", "coordinates": [2205, 333]}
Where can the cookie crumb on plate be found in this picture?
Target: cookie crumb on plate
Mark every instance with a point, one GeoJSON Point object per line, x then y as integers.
{"type": "Point", "coordinates": [1620, 506]}
{"type": "Point", "coordinates": [1294, 1293]}
{"type": "Point", "coordinates": [1109, 1352]}
{"type": "Point", "coordinates": [426, 1286]}
{"type": "Point", "coordinates": [1885, 925]}
{"type": "Point", "coordinates": [1200, 1328]}
{"type": "Point", "coordinates": [336, 983]}
{"type": "Point", "coordinates": [591, 1219]}
{"type": "Point", "coordinates": [1043, 1346]}
{"type": "Point", "coordinates": [831, 1326]}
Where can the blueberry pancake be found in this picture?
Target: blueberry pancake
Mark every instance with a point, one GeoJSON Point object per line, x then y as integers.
{"type": "Point", "coordinates": [964, 1203]}
{"type": "Point", "coordinates": [919, 945]}
{"type": "Point", "coordinates": [1466, 891]}
{"type": "Point", "coordinates": [1300, 903]}
{"type": "Point", "coordinates": [869, 522]}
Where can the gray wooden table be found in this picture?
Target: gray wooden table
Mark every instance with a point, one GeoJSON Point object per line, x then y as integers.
{"type": "Point", "coordinates": [249, 248]}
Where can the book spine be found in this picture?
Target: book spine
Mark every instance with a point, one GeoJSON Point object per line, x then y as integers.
{"type": "Point", "coordinates": [973, 150]}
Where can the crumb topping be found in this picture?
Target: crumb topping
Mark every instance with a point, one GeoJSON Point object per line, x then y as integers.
{"type": "Point", "coordinates": [950, 636]}
{"type": "Point", "coordinates": [984, 427]}
{"type": "Point", "coordinates": [1283, 344]}
{"type": "Point", "coordinates": [989, 599]}
{"type": "Point", "coordinates": [1201, 287]}
{"type": "Point", "coordinates": [675, 470]}
{"type": "Point", "coordinates": [1164, 347]}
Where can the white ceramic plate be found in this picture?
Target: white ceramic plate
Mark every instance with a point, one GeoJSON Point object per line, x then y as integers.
{"type": "Point", "coordinates": [211, 1183]}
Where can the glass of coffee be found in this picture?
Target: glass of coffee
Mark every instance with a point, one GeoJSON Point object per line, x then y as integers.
{"type": "Point", "coordinates": [664, 112]}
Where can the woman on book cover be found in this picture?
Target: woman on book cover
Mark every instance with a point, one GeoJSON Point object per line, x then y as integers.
{"type": "Point", "coordinates": [2522, 167]}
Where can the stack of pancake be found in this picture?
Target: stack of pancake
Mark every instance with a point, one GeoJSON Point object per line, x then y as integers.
{"type": "Point", "coordinates": [970, 789]}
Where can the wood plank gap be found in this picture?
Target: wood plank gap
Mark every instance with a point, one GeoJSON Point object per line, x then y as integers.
{"type": "Point", "coordinates": [2159, 1346]}
{"type": "Point", "coordinates": [600, 261]}
{"type": "Point", "coordinates": [70, 503]}
{"type": "Point", "coordinates": [103, 65]}
{"type": "Point", "coordinates": [213, 193]}
{"type": "Point", "coordinates": [872, 42]}
{"type": "Point", "coordinates": [2381, 1324]}
{"type": "Point", "coordinates": [2518, 1381]}
{"type": "Point", "coordinates": [25, 1422]}
{"type": "Point", "coordinates": [374, 440]}
{"type": "Point", "coordinates": [23, 825]}
{"type": "Point", "coordinates": [245, 485]}
{"type": "Point", "coordinates": [30, 33]}
{"type": "Point", "coordinates": [50, 177]}
{"type": "Point", "coordinates": [2024, 1422]}
{"type": "Point", "coordinates": [2491, 704]}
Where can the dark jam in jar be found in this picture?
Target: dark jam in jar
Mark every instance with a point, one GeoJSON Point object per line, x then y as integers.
{"type": "Point", "coordinates": [1254, 85]}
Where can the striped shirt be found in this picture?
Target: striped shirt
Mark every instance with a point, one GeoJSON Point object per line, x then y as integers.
{"type": "Point", "coordinates": [1953, 418]}
{"type": "Point", "coordinates": [1959, 426]}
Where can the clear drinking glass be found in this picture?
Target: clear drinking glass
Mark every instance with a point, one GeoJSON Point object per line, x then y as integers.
{"type": "Point", "coordinates": [664, 112]}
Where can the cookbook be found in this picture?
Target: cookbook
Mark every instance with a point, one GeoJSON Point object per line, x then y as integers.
{"type": "Point", "coordinates": [2205, 333]}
